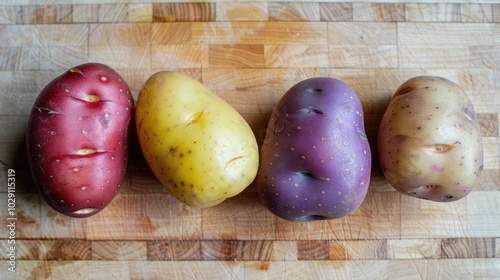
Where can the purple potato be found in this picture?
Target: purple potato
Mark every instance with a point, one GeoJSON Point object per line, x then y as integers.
{"type": "Point", "coordinates": [315, 160]}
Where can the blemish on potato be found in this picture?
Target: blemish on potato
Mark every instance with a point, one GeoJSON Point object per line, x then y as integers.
{"type": "Point", "coordinates": [437, 169]}
{"type": "Point", "coordinates": [46, 111]}
{"type": "Point", "coordinates": [440, 148]}
{"type": "Point", "coordinates": [76, 70]}
{"type": "Point", "coordinates": [86, 151]}
{"type": "Point", "coordinates": [91, 98]}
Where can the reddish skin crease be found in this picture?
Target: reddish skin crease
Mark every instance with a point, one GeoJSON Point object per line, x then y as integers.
{"type": "Point", "coordinates": [77, 139]}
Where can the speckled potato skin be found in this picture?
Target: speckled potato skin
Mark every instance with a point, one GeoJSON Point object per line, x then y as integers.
{"type": "Point", "coordinates": [315, 160]}
{"type": "Point", "coordinates": [196, 144]}
{"type": "Point", "coordinates": [77, 139]}
{"type": "Point", "coordinates": [429, 143]}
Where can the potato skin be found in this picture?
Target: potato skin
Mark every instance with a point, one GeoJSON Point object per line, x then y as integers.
{"type": "Point", "coordinates": [77, 139]}
{"type": "Point", "coordinates": [315, 160]}
{"type": "Point", "coordinates": [429, 143]}
{"type": "Point", "coordinates": [197, 145]}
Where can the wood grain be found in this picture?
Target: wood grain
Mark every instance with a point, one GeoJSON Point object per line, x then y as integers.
{"type": "Point", "coordinates": [183, 12]}
{"type": "Point", "coordinates": [250, 53]}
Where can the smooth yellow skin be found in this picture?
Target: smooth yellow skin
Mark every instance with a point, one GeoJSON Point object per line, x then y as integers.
{"type": "Point", "coordinates": [196, 144]}
{"type": "Point", "coordinates": [429, 143]}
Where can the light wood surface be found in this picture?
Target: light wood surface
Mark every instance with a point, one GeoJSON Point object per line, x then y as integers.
{"type": "Point", "coordinates": [250, 53]}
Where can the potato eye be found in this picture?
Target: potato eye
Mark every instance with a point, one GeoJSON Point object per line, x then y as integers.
{"type": "Point", "coordinates": [311, 110]}
{"type": "Point", "coordinates": [446, 197]}
{"type": "Point", "coordinates": [314, 90]}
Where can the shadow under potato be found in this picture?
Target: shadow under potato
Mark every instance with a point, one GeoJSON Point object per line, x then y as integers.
{"type": "Point", "coordinates": [20, 164]}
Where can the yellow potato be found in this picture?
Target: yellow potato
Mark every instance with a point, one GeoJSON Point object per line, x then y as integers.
{"type": "Point", "coordinates": [197, 145]}
{"type": "Point", "coordinates": [429, 143]}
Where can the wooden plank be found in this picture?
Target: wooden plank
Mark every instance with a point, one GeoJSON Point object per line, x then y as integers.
{"type": "Point", "coordinates": [362, 33]}
{"type": "Point", "coordinates": [183, 12]}
{"type": "Point", "coordinates": [361, 47]}
{"type": "Point", "coordinates": [175, 56]}
{"type": "Point", "coordinates": [62, 58]}
{"type": "Point", "coordinates": [358, 250]}
{"type": "Point", "coordinates": [336, 11]}
{"type": "Point", "coordinates": [237, 218]}
{"type": "Point", "coordinates": [446, 34]}
{"type": "Point", "coordinates": [378, 12]}
{"type": "Point", "coordinates": [19, 58]}
{"type": "Point", "coordinates": [47, 14]}
{"type": "Point", "coordinates": [290, 56]}
{"type": "Point", "coordinates": [486, 268]}
{"type": "Point", "coordinates": [491, 153]}
{"type": "Point", "coordinates": [177, 250]}
{"type": "Point", "coordinates": [177, 33]}
{"type": "Point", "coordinates": [119, 250]}
{"type": "Point", "coordinates": [138, 56]}
{"type": "Point", "coordinates": [383, 269]}
{"type": "Point", "coordinates": [244, 11]}
{"type": "Point", "coordinates": [452, 12]}
{"type": "Point", "coordinates": [235, 56]}
{"type": "Point", "coordinates": [57, 250]}
{"type": "Point", "coordinates": [467, 248]}
{"type": "Point", "coordinates": [217, 250]}
{"type": "Point", "coordinates": [119, 34]}
{"type": "Point", "coordinates": [413, 249]}
{"type": "Point", "coordinates": [313, 250]}
{"type": "Point", "coordinates": [294, 11]}
{"type": "Point", "coordinates": [141, 12]}
{"type": "Point", "coordinates": [432, 12]}
{"type": "Point", "coordinates": [14, 128]}
{"type": "Point", "coordinates": [480, 12]}
{"type": "Point", "coordinates": [258, 32]}
{"type": "Point", "coordinates": [10, 14]}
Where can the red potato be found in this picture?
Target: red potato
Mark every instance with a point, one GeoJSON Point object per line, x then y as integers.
{"type": "Point", "coordinates": [77, 139]}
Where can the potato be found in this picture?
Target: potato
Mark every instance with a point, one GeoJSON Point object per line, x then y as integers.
{"type": "Point", "coordinates": [429, 143]}
{"type": "Point", "coordinates": [77, 139]}
{"type": "Point", "coordinates": [196, 144]}
{"type": "Point", "coordinates": [316, 159]}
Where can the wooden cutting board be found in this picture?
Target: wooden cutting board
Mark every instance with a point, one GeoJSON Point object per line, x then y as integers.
{"type": "Point", "coordinates": [250, 53]}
